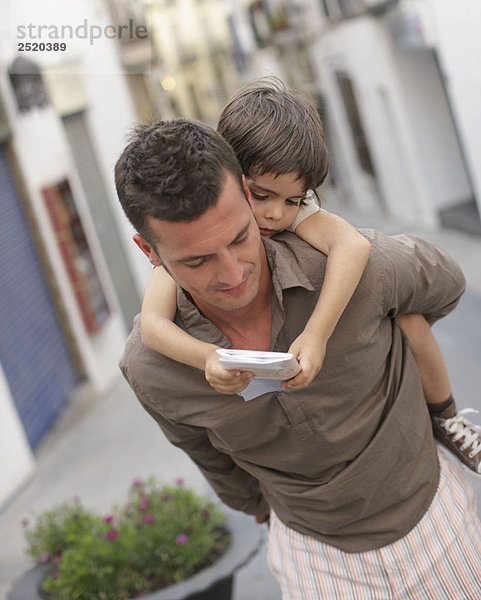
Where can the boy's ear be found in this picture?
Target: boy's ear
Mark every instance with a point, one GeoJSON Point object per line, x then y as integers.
{"type": "Point", "coordinates": [247, 191]}
{"type": "Point", "coordinates": [147, 249]}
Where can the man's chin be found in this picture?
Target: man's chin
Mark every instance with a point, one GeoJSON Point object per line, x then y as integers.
{"type": "Point", "coordinates": [230, 300]}
{"type": "Point", "coordinates": [232, 304]}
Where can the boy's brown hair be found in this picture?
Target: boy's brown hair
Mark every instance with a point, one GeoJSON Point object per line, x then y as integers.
{"type": "Point", "coordinates": [275, 130]}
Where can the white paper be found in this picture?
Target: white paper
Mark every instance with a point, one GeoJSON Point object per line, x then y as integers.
{"type": "Point", "coordinates": [266, 365]}
{"type": "Point", "coordinates": [270, 369]}
{"type": "Point", "coordinates": [259, 386]}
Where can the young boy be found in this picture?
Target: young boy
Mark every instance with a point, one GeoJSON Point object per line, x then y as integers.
{"type": "Point", "coordinates": [278, 137]}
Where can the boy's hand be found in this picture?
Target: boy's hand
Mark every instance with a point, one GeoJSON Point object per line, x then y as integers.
{"type": "Point", "coordinates": [309, 349]}
{"type": "Point", "coordinates": [222, 380]}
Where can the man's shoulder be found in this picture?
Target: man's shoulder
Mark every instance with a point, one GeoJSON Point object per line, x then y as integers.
{"type": "Point", "coordinates": [292, 248]}
{"type": "Point", "coordinates": [159, 382]}
{"type": "Point", "coordinates": [138, 361]}
{"type": "Point", "coordinates": [140, 365]}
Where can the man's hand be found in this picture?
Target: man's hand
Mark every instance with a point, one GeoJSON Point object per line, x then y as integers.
{"type": "Point", "coordinates": [310, 350]}
{"type": "Point", "coordinates": [222, 380]}
{"type": "Point", "coordinates": [263, 517]}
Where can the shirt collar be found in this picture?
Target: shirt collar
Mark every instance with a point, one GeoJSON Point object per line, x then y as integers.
{"type": "Point", "coordinates": [284, 266]}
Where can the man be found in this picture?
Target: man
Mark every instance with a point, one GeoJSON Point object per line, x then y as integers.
{"type": "Point", "coordinates": [348, 465]}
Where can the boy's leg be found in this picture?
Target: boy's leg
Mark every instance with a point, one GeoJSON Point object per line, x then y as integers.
{"type": "Point", "coordinates": [453, 430]}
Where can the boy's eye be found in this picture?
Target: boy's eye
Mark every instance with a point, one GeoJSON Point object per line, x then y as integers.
{"type": "Point", "coordinates": [293, 202]}
{"type": "Point", "coordinates": [258, 196]}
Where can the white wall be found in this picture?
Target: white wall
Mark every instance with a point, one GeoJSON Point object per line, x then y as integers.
{"type": "Point", "coordinates": [110, 113]}
{"type": "Point", "coordinates": [362, 49]}
{"type": "Point", "coordinates": [17, 462]}
{"type": "Point", "coordinates": [458, 26]}
{"type": "Point", "coordinates": [406, 118]}
{"type": "Point", "coordinates": [437, 145]}
{"type": "Point", "coordinates": [111, 117]}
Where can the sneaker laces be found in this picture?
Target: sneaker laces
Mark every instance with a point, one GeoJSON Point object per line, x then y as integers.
{"type": "Point", "coordinates": [459, 427]}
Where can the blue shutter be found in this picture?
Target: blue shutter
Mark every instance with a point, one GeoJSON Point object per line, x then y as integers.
{"type": "Point", "coordinates": [33, 351]}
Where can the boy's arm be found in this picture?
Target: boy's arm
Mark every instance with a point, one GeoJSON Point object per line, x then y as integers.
{"type": "Point", "coordinates": [160, 333]}
{"type": "Point", "coordinates": [348, 252]}
{"type": "Point", "coordinates": [157, 327]}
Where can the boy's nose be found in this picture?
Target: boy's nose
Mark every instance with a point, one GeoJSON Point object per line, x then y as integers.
{"type": "Point", "coordinates": [274, 212]}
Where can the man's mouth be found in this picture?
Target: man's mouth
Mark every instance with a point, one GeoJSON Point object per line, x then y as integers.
{"type": "Point", "coordinates": [238, 289]}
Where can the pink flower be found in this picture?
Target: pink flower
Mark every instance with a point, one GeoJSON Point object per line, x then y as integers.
{"type": "Point", "coordinates": [57, 559]}
{"type": "Point", "coordinates": [45, 558]}
{"type": "Point", "coordinates": [25, 522]}
{"type": "Point", "coordinates": [179, 481]}
{"type": "Point", "coordinates": [108, 519]}
{"type": "Point", "coordinates": [112, 534]}
{"type": "Point", "coordinates": [149, 518]}
{"type": "Point", "coordinates": [137, 482]}
{"type": "Point", "coordinates": [181, 539]}
{"type": "Point", "coordinates": [205, 513]}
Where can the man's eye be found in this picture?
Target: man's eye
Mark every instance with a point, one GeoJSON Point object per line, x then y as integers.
{"type": "Point", "coordinates": [258, 196]}
{"type": "Point", "coordinates": [196, 264]}
{"type": "Point", "coordinates": [241, 241]}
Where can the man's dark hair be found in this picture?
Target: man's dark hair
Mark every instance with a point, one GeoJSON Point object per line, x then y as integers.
{"type": "Point", "coordinates": [275, 130]}
{"type": "Point", "coordinates": [172, 170]}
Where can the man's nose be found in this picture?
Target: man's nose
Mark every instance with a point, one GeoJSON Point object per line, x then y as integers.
{"type": "Point", "coordinates": [231, 271]}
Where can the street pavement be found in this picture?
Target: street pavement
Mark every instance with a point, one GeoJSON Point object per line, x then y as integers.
{"type": "Point", "coordinates": [100, 444]}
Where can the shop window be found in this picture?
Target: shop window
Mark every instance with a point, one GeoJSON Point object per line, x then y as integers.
{"type": "Point", "coordinates": [77, 256]}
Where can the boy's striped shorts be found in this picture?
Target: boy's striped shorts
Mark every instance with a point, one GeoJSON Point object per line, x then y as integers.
{"type": "Point", "coordinates": [440, 559]}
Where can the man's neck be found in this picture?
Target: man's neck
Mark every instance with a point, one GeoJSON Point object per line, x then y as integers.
{"type": "Point", "coordinates": [248, 327]}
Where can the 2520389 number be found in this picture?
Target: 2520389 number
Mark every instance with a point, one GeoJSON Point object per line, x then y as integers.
{"type": "Point", "coordinates": [42, 46]}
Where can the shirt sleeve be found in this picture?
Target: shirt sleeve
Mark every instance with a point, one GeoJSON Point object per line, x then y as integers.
{"type": "Point", "coordinates": [308, 208]}
{"type": "Point", "coordinates": [234, 486]}
{"type": "Point", "coordinates": [416, 276]}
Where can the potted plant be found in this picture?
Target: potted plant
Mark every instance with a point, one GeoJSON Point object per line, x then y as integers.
{"type": "Point", "coordinates": [164, 543]}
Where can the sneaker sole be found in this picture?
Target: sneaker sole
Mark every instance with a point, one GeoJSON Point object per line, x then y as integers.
{"type": "Point", "coordinates": [451, 456]}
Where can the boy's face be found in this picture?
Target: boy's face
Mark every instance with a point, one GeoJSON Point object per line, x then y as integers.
{"type": "Point", "coordinates": [276, 200]}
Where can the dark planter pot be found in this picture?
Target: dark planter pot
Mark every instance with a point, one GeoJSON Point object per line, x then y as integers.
{"type": "Point", "coordinates": [213, 583]}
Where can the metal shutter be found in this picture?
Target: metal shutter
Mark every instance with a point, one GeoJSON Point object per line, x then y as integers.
{"type": "Point", "coordinates": [33, 352]}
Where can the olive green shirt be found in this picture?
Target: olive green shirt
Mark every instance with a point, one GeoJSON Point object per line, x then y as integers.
{"type": "Point", "coordinates": [349, 460]}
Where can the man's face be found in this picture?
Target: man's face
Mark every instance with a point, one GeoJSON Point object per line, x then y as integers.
{"type": "Point", "coordinates": [217, 258]}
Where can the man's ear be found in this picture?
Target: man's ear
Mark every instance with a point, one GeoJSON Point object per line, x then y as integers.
{"type": "Point", "coordinates": [247, 191]}
{"type": "Point", "coordinates": [147, 249]}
